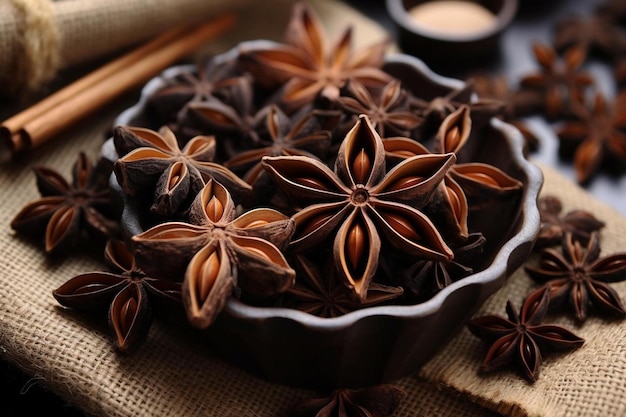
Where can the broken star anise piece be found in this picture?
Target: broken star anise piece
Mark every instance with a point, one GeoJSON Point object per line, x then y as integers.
{"type": "Point", "coordinates": [154, 160]}
{"type": "Point", "coordinates": [318, 291]}
{"type": "Point", "coordinates": [360, 201]}
{"type": "Point", "coordinates": [128, 294]}
{"type": "Point", "coordinates": [376, 401]}
{"type": "Point", "coordinates": [522, 339]}
{"type": "Point", "coordinates": [218, 253]}
{"type": "Point", "coordinates": [559, 79]}
{"type": "Point", "coordinates": [554, 226]}
{"type": "Point", "coordinates": [309, 67]}
{"type": "Point", "coordinates": [579, 276]}
{"type": "Point", "coordinates": [598, 136]}
{"type": "Point", "coordinates": [66, 209]}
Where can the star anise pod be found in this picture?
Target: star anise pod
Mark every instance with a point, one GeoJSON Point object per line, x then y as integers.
{"type": "Point", "coordinates": [360, 201]}
{"type": "Point", "coordinates": [620, 72]}
{"type": "Point", "coordinates": [309, 67]}
{"type": "Point", "coordinates": [426, 277]}
{"type": "Point", "coordinates": [219, 253]}
{"type": "Point", "coordinates": [466, 185]}
{"type": "Point", "coordinates": [554, 226]}
{"type": "Point", "coordinates": [66, 209]}
{"type": "Point", "coordinates": [517, 103]}
{"type": "Point", "coordinates": [285, 137]}
{"type": "Point", "coordinates": [388, 110]}
{"type": "Point", "coordinates": [155, 161]}
{"type": "Point", "coordinates": [522, 339]}
{"type": "Point", "coordinates": [578, 275]}
{"type": "Point", "coordinates": [559, 79]}
{"type": "Point", "coordinates": [199, 85]}
{"type": "Point", "coordinates": [615, 10]}
{"type": "Point", "coordinates": [320, 292]}
{"type": "Point", "coordinates": [598, 135]}
{"type": "Point", "coordinates": [235, 119]}
{"type": "Point", "coordinates": [127, 293]}
{"type": "Point", "coordinates": [595, 32]}
{"type": "Point", "coordinates": [435, 110]}
{"type": "Point", "coordinates": [375, 401]}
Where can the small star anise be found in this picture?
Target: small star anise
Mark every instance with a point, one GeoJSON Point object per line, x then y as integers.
{"type": "Point", "coordinates": [614, 10]}
{"type": "Point", "coordinates": [620, 72]}
{"type": "Point", "coordinates": [286, 137]}
{"type": "Point", "coordinates": [592, 33]}
{"type": "Point", "coordinates": [66, 210]}
{"type": "Point", "coordinates": [435, 110]}
{"type": "Point", "coordinates": [200, 85]}
{"type": "Point", "coordinates": [578, 275]}
{"type": "Point", "coordinates": [517, 102]}
{"type": "Point", "coordinates": [376, 401]}
{"type": "Point", "coordinates": [218, 253]}
{"type": "Point", "coordinates": [522, 338]}
{"type": "Point", "coordinates": [580, 223]}
{"type": "Point", "coordinates": [360, 201]}
{"type": "Point", "coordinates": [597, 135]}
{"type": "Point", "coordinates": [308, 67]}
{"type": "Point", "coordinates": [388, 110]}
{"type": "Point", "coordinates": [127, 293]}
{"type": "Point", "coordinates": [560, 80]}
{"type": "Point", "coordinates": [154, 160]}
{"type": "Point", "coordinates": [235, 119]}
{"type": "Point", "coordinates": [321, 293]}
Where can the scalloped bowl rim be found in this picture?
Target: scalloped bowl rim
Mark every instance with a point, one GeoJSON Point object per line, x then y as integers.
{"type": "Point", "coordinates": [530, 221]}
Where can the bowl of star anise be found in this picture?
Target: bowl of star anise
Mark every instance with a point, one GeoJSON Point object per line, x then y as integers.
{"type": "Point", "coordinates": [333, 216]}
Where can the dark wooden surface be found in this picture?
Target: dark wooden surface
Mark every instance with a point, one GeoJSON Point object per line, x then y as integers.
{"type": "Point", "coordinates": [24, 395]}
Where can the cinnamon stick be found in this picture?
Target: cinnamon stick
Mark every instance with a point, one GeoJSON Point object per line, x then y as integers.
{"type": "Point", "coordinates": [46, 119]}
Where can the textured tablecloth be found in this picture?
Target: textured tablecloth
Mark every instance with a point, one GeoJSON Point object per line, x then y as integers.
{"type": "Point", "coordinates": [176, 374]}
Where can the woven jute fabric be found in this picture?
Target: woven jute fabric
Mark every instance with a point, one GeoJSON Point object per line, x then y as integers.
{"type": "Point", "coordinates": [586, 382]}
{"type": "Point", "coordinates": [175, 373]}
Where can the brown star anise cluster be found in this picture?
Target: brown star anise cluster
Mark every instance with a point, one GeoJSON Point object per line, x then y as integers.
{"type": "Point", "coordinates": [296, 174]}
{"type": "Point", "coordinates": [590, 126]}
{"type": "Point", "coordinates": [574, 276]}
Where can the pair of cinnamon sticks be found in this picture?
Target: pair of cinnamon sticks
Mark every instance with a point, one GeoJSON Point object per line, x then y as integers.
{"type": "Point", "coordinates": [50, 116]}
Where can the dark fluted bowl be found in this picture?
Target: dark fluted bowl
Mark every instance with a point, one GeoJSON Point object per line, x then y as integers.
{"type": "Point", "coordinates": [383, 343]}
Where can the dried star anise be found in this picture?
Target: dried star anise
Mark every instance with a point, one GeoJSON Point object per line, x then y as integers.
{"type": "Point", "coordinates": [435, 110]}
{"type": "Point", "coordinates": [360, 201]}
{"type": "Point", "coordinates": [318, 291]}
{"type": "Point", "coordinates": [376, 401]}
{"type": "Point", "coordinates": [219, 253]}
{"type": "Point", "coordinates": [307, 65]}
{"type": "Point", "coordinates": [517, 102]}
{"type": "Point", "coordinates": [189, 86]}
{"type": "Point", "coordinates": [427, 277]}
{"type": "Point", "coordinates": [522, 338]}
{"type": "Point", "coordinates": [592, 33]}
{"type": "Point", "coordinates": [286, 137]}
{"type": "Point", "coordinates": [127, 293]}
{"type": "Point", "coordinates": [598, 135]}
{"type": "Point", "coordinates": [475, 182]}
{"type": "Point", "coordinates": [388, 110]}
{"type": "Point", "coordinates": [579, 276]}
{"type": "Point", "coordinates": [560, 80]}
{"type": "Point", "coordinates": [66, 210]}
{"type": "Point", "coordinates": [580, 223]}
{"type": "Point", "coordinates": [154, 160]}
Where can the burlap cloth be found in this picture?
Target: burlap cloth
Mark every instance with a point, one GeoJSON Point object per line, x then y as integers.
{"type": "Point", "coordinates": [176, 374]}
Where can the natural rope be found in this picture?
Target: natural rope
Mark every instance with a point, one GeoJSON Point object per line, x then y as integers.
{"type": "Point", "coordinates": [38, 60]}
